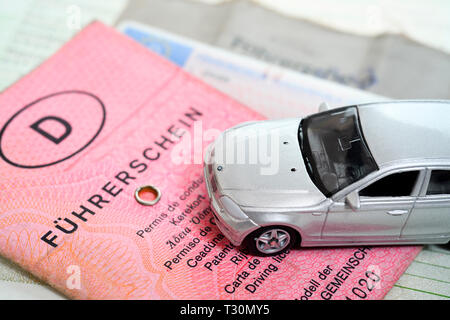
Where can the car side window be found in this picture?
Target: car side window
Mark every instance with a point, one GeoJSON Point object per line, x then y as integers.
{"type": "Point", "coordinates": [394, 185]}
{"type": "Point", "coordinates": [439, 182]}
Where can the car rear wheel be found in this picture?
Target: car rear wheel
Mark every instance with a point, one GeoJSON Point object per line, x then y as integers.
{"type": "Point", "coordinates": [272, 240]}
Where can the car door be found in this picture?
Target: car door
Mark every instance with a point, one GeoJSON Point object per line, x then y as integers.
{"type": "Point", "coordinates": [430, 217]}
{"type": "Point", "coordinates": [385, 204]}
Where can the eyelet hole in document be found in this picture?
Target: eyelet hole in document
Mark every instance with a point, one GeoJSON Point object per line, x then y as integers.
{"type": "Point", "coordinates": [147, 195]}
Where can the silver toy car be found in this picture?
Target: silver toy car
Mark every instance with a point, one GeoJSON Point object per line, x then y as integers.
{"type": "Point", "coordinates": [370, 174]}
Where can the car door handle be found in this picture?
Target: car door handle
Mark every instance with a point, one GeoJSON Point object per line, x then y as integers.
{"type": "Point", "coordinates": [397, 212]}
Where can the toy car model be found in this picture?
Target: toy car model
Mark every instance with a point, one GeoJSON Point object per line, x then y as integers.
{"type": "Point", "coordinates": [369, 174]}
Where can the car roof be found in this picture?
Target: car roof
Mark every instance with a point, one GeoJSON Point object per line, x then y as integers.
{"type": "Point", "coordinates": [406, 130]}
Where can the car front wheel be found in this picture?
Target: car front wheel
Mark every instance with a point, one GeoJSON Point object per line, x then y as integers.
{"type": "Point", "coordinates": [271, 240]}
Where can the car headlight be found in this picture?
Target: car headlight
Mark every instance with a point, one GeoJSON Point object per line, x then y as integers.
{"type": "Point", "coordinates": [232, 208]}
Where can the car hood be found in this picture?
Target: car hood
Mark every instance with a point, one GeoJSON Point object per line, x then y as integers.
{"type": "Point", "coordinates": [259, 164]}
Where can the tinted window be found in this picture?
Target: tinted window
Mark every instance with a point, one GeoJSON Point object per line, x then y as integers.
{"type": "Point", "coordinates": [395, 185]}
{"type": "Point", "coordinates": [334, 149]}
{"type": "Point", "coordinates": [439, 182]}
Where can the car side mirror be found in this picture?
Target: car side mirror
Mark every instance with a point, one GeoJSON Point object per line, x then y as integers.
{"type": "Point", "coordinates": [352, 200]}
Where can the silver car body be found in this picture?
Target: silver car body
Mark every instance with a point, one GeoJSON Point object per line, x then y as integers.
{"type": "Point", "coordinates": [401, 136]}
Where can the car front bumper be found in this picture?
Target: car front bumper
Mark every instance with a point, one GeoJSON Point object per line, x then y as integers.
{"type": "Point", "coordinates": [235, 229]}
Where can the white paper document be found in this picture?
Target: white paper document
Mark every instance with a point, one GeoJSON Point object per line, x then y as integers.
{"type": "Point", "coordinates": [32, 30]}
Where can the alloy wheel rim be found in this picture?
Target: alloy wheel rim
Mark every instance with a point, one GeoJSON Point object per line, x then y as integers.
{"type": "Point", "coordinates": [272, 241]}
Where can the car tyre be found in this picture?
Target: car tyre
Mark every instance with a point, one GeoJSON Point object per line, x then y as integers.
{"type": "Point", "coordinates": [271, 240]}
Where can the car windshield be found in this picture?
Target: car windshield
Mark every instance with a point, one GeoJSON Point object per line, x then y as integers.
{"type": "Point", "coordinates": [334, 149]}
